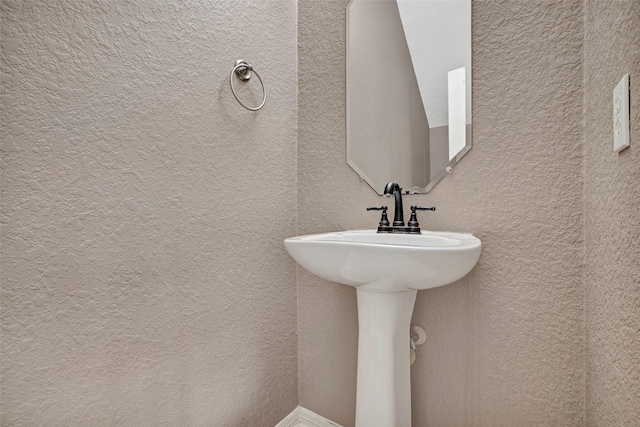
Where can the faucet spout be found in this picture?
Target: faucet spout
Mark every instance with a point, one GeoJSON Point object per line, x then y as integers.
{"type": "Point", "coordinates": [393, 188]}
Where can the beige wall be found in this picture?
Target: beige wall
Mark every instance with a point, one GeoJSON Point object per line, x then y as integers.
{"type": "Point", "coordinates": [144, 280]}
{"type": "Point", "coordinates": [505, 344]}
{"type": "Point", "coordinates": [611, 217]}
{"type": "Point", "coordinates": [140, 203]}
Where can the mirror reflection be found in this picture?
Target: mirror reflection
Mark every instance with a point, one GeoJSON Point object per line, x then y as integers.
{"type": "Point", "coordinates": [408, 89]}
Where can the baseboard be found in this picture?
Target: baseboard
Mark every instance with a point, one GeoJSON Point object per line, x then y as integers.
{"type": "Point", "coordinates": [301, 417]}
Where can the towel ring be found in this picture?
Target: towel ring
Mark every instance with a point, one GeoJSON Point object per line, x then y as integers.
{"type": "Point", "coordinates": [243, 71]}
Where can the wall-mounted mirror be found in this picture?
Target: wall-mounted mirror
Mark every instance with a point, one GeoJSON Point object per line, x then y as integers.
{"type": "Point", "coordinates": [408, 90]}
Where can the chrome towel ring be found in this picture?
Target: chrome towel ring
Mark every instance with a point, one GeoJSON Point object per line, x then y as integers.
{"type": "Point", "coordinates": [243, 71]}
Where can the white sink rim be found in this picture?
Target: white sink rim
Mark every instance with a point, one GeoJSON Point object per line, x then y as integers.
{"type": "Point", "coordinates": [426, 240]}
{"type": "Point", "coordinates": [387, 262]}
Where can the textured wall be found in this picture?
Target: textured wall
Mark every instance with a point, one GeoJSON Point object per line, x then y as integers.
{"type": "Point", "coordinates": [505, 344]}
{"type": "Point", "coordinates": [611, 221]}
{"type": "Point", "coordinates": [144, 280]}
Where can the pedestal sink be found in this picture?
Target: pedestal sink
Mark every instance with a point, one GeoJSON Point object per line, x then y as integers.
{"type": "Point", "coordinates": [387, 271]}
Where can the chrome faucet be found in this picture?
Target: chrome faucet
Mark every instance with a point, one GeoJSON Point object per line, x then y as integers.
{"type": "Point", "coordinates": [413, 227]}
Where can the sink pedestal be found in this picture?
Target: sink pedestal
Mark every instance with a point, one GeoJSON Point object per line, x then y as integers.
{"type": "Point", "coordinates": [383, 396]}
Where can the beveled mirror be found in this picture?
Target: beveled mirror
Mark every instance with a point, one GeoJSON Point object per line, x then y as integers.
{"type": "Point", "coordinates": [408, 90]}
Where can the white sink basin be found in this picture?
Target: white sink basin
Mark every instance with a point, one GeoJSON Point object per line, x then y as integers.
{"type": "Point", "coordinates": [386, 262]}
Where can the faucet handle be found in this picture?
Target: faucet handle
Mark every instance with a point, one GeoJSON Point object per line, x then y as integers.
{"type": "Point", "coordinates": [413, 221]}
{"type": "Point", "coordinates": [422, 208]}
{"type": "Point", "coordinates": [384, 221]}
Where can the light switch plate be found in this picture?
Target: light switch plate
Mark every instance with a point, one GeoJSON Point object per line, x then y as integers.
{"type": "Point", "coordinates": [621, 115]}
